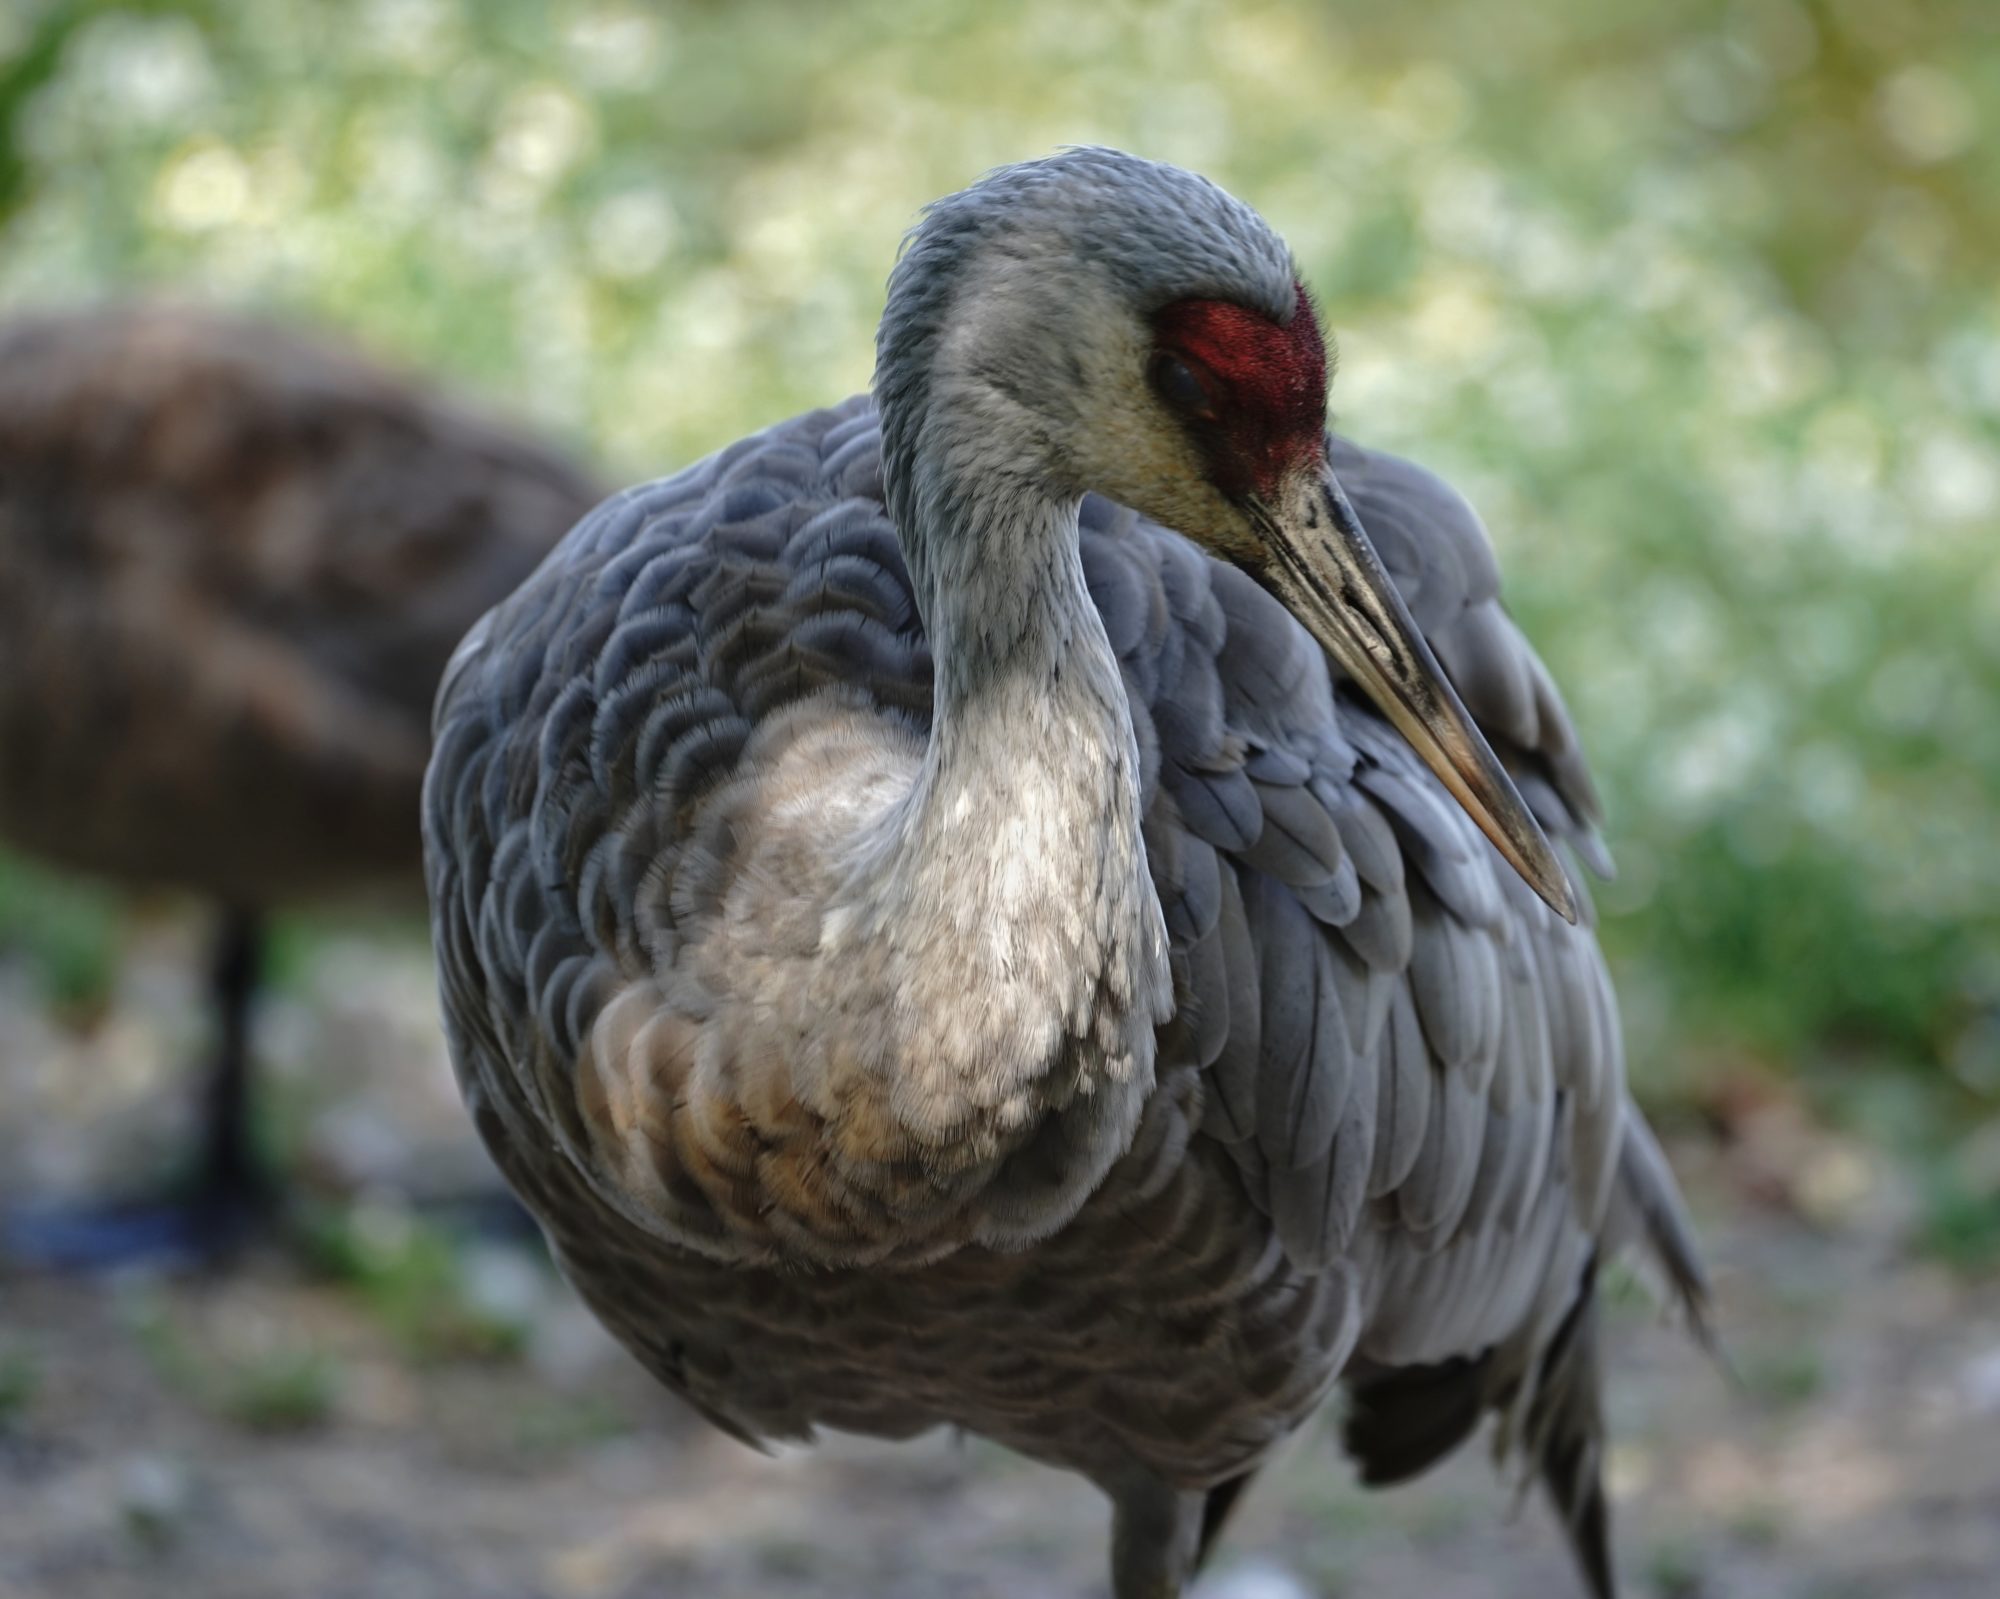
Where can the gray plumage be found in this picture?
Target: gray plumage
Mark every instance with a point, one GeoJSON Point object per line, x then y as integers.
{"type": "Point", "coordinates": [934, 946]}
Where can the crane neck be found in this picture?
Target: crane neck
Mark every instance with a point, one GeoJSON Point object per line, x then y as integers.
{"type": "Point", "coordinates": [1000, 583]}
{"type": "Point", "coordinates": [1007, 889]}
{"type": "Point", "coordinates": [1029, 707]}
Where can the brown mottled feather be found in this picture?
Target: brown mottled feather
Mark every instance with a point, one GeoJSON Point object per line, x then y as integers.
{"type": "Point", "coordinates": [233, 563]}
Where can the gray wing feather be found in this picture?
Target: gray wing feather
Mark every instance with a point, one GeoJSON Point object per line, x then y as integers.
{"type": "Point", "coordinates": [1647, 1217]}
{"type": "Point", "coordinates": [1233, 1078]}
{"type": "Point", "coordinates": [1431, 540]}
{"type": "Point", "coordinates": [1431, 1201]}
{"type": "Point", "coordinates": [1483, 650]}
{"type": "Point", "coordinates": [1306, 1068]}
{"type": "Point", "coordinates": [1380, 932]}
{"type": "Point", "coordinates": [1404, 1087]}
{"type": "Point", "coordinates": [1299, 845]}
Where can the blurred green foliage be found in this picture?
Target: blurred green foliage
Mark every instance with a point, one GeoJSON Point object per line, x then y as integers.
{"type": "Point", "coordinates": [1960, 1223]}
{"type": "Point", "coordinates": [1696, 300]}
{"type": "Point", "coordinates": [68, 928]}
{"type": "Point", "coordinates": [413, 1276]}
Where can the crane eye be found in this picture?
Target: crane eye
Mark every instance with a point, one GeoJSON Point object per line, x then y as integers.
{"type": "Point", "coordinates": [1177, 383]}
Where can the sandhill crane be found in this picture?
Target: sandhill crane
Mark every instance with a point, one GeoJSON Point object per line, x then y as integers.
{"type": "Point", "coordinates": [233, 563]}
{"type": "Point", "coordinates": [935, 946]}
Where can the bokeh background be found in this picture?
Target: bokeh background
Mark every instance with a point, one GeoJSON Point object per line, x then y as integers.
{"type": "Point", "coordinates": [1696, 300]}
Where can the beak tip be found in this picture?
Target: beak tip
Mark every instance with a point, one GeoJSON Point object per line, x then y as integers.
{"type": "Point", "coordinates": [1552, 883]}
{"type": "Point", "coordinates": [1329, 576]}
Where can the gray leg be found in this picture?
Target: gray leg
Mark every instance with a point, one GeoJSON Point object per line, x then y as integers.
{"type": "Point", "coordinates": [1155, 1532]}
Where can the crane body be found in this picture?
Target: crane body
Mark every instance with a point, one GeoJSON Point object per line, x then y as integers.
{"type": "Point", "coordinates": [979, 907]}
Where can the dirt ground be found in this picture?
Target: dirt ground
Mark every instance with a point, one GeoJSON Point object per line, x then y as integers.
{"type": "Point", "coordinates": [382, 1408]}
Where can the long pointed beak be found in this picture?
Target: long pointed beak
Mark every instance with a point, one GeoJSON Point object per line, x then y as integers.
{"type": "Point", "coordinates": [1329, 577]}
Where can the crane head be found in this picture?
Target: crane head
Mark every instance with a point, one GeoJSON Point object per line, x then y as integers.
{"type": "Point", "coordinates": [1094, 321]}
{"type": "Point", "coordinates": [1238, 462]}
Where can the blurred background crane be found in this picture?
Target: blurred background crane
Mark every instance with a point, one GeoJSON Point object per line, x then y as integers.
{"type": "Point", "coordinates": [233, 562]}
{"type": "Point", "coordinates": [1694, 300]}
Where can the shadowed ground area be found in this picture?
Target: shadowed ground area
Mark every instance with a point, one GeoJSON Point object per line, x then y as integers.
{"type": "Point", "coordinates": [390, 1406]}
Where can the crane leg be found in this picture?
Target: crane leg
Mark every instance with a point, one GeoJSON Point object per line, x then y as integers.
{"type": "Point", "coordinates": [1155, 1535]}
{"type": "Point", "coordinates": [223, 1197]}
{"type": "Point", "coordinates": [229, 1186]}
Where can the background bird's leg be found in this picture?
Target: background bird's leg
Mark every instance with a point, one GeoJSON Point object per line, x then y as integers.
{"type": "Point", "coordinates": [1155, 1533]}
{"type": "Point", "coordinates": [222, 1199]}
{"type": "Point", "coordinates": [229, 1183]}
